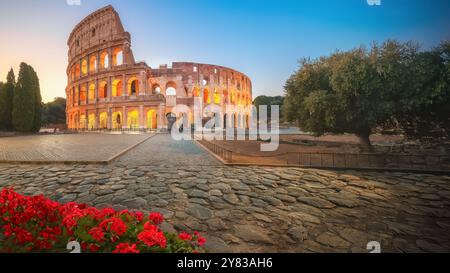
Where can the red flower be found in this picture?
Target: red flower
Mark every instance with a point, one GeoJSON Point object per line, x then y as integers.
{"type": "Point", "coordinates": [156, 217]}
{"type": "Point", "coordinates": [139, 216]}
{"type": "Point", "coordinates": [115, 225]}
{"type": "Point", "coordinates": [126, 248]}
{"type": "Point", "coordinates": [185, 237]}
{"type": "Point", "coordinates": [94, 248]}
{"type": "Point", "coordinates": [151, 236]}
{"type": "Point", "coordinates": [97, 233]}
{"type": "Point", "coordinates": [201, 241]}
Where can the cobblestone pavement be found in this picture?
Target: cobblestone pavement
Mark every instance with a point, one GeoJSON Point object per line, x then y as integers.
{"type": "Point", "coordinates": [162, 150]}
{"type": "Point", "coordinates": [258, 209]}
{"type": "Point", "coordinates": [63, 148]}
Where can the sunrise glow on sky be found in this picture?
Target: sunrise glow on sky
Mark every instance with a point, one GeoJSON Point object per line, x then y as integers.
{"type": "Point", "coordinates": [262, 38]}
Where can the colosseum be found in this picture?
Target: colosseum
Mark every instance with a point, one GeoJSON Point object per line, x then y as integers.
{"type": "Point", "coordinates": [108, 90]}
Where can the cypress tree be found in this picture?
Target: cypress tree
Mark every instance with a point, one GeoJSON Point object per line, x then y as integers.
{"type": "Point", "coordinates": [37, 103]}
{"type": "Point", "coordinates": [24, 100]}
{"type": "Point", "coordinates": [6, 101]}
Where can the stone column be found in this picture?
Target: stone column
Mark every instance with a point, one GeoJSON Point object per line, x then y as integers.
{"type": "Point", "coordinates": [110, 58]}
{"type": "Point", "coordinates": [125, 117]}
{"type": "Point", "coordinates": [87, 93]}
{"type": "Point", "coordinates": [96, 91]}
{"type": "Point", "coordinates": [161, 117]}
{"type": "Point", "coordinates": [109, 125]}
{"type": "Point", "coordinates": [88, 65]}
{"type": "Point", "coordinates": [124, 86]}
{"type": "Point", "coordinates": [109, 89]}
{"type": "Point", "coordinates": [86, 119]}
{"type": "Point", "coordinates": [141, 117]}
{"type": "Point", "coordinates": [96, 125]}
{"type": "Point", "coordinates": [142, 82]}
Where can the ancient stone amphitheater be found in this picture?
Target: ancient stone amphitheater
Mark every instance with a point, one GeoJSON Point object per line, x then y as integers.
{"type": "Point", "coordinates": [108, 89]}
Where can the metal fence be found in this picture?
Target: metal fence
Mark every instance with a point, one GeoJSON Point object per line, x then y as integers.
{"type": "Point", "coordinates": [413, 162]}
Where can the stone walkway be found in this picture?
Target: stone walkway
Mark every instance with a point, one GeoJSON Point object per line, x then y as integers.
{"type": "Point", "coordinates": [90, 147]}
{"type": "Point", "coordinates": [256, 209]}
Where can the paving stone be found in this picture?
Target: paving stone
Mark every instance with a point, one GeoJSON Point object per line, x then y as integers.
{"type": "Point", "coordinates": [198, 211]}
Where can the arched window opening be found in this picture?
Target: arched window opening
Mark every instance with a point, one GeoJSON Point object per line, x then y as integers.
{"type": "Point", "coordinates": [83, 94]}
{"type": "Point", "coordinates": [103, 119]}
{"type": "Point", "coordinates": [156, 89]}
{"type": "Point", "coordinates": [152, 121]}
{"type": "Point", "coordinates": [103, 89]}
{"type": "Point", "coordinates": [117, 120]}
{"type": "Point", "coordinates": [171, 89]}
{"type": "Point", "coordinates": [117, 88]}
{"type": "Point", "coordinates": [216, 97]}
{"type": "Point", "coordinates": [82, 122]}
{"type": "Point", "coordinates": [91, 122]}
{"type": "Point", "coordinates": [104, 60]}
{"type": "Point", "coordinates": [84, 67]}
{"type": "Point", "coordinates": [91, 93]}
{"type": "Point", "coordinates": [196, 92]}
{"type": "Point", "coordinates": [206, 97]}
{"type": "Point", "coordinates": [133, 86]}
{"type": "Point", "coordinates": [117, 57]}
{"type": "Point", "coordinates": [93, 64]}
{"type": "Point", "coordinates": [133, 119]}
{"type": "Point", "coordinates": [77, 70]}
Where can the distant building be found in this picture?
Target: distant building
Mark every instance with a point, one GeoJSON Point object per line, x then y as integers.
{"type": "Point", "coordinates": [108, 89]}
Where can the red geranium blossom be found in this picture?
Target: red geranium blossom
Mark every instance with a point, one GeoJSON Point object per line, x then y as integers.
{"type": "Point", "coordinates": [151, 236]}
{"type": "Point", "coordinates": [126, 248]}
{"type": "Point", "coordinates": [185, 236]}
{"type": "Point", "coordinates": [115, 225]}
{"type": "Point", "coordinates": [156, 217]}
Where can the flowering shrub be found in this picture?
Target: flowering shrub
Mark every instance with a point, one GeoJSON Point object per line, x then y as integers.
{"type": "Point", "coordinates": [37, 224]}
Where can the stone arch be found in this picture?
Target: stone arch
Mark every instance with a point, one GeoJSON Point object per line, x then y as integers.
{"type": "Point", "coordinates": [206, 96]}
{"type": "Point", "coordinates": [117, 120]}
{"type": "Point", "coordinates": [171, 89]}
{"type": "Point", "coordinates": [104, 60]}
{"type": "Point", "coordinates": [133, 119]}
{"type": "Point", "coordinates": [84, 67]}
{"type": "Point", "coordinates": [77, 70]}
{"type": "Point", "coordinates": [152, 119]}
{"type": "Point", "coordinates": [117, 88]}
{"type": "Point", "coordinates": [156, 89]}
{"type": "Point", "coordinates": [117, 58]}
{"type": "Point", "coordinates": [133, 86]}
{"type": "Point", "coordinates": [216, 96]}
{"type": "Point", "coordinates": [83, 92]}
{"type": "Point", "coordinates": [103, 90]}
{"type": "Point", "coordinates": [93, 64]}
{"type": "Point", "coordinates": [91, 122]}
{"type": "Point", "coordinates": [82, 121]}
{"type": "Point", "coordinates": [91, 92]}
{"type": "Point", "coordinates": [103, 120]}
{"type": "Point", "coordinates": [196, 92]}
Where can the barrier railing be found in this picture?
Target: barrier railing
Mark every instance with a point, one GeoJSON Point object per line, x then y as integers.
{"type": "Point", "coordinates": [413, 162]}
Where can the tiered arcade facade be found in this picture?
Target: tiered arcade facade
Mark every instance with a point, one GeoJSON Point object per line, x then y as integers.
{"type": "Point", "coordinates": [107, 89]}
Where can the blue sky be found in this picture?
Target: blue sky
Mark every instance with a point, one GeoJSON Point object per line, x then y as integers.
{"type": "Point", "coordinates": [262, 38]}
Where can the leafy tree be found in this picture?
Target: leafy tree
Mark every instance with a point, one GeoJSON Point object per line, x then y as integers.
{"type": "Point", "coordinates": [25, 103]}
{"type": "Point", "coordinates": [424, 104]}
{"type": "Point", "coordinates": [349, 92]}
{"type": "Point", "coordinates": [269, 101]}
{"type": "Point", "coordinates": [54, 112]}
{"type": "Point", "coordinates": [6, 101]}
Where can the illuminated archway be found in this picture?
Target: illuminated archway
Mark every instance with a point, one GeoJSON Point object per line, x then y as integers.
{"type": "Point", "coordinates": [82, 122]}
{"type": "Point", "coordinates": [91, 92]}
{"type": "Point", "coordinates": [196, 92]}
{"type": "Point", "coordinates": [133, 119]}
{"type": "Point", "coordinates": [152, 121]}
{"type": "Point", "coordinates": [103, 120]}
{"type": "Point", "coordinates": [77, 70]}
{"type": "Point", "coordinates": [84, 67]}
{"type": "Point", "coordinates": [93, 64]}
{"type": "Point", "coordinates": [216, 97]}
{"type": "Point", "coordinates": [117, 120]}
{"type": "Point", "coordinates": [91, 122]}
{"type": "Point", "coordinates": [76, 98]}
{"type": "Point", "coordinates": [133, 86]}
{"type": "Point", "coordinates": [103, 90]}
{"type": "Point", "coordinates": [117, 88]}
{"type": "Point", "coordinates": [104, 60]}
{"type": "Point", "coordinates": [117, 57]}
{"type": "Point", "coordinates": [83, 93]}
{"type": "Point", "coordinates": [206, 97]}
